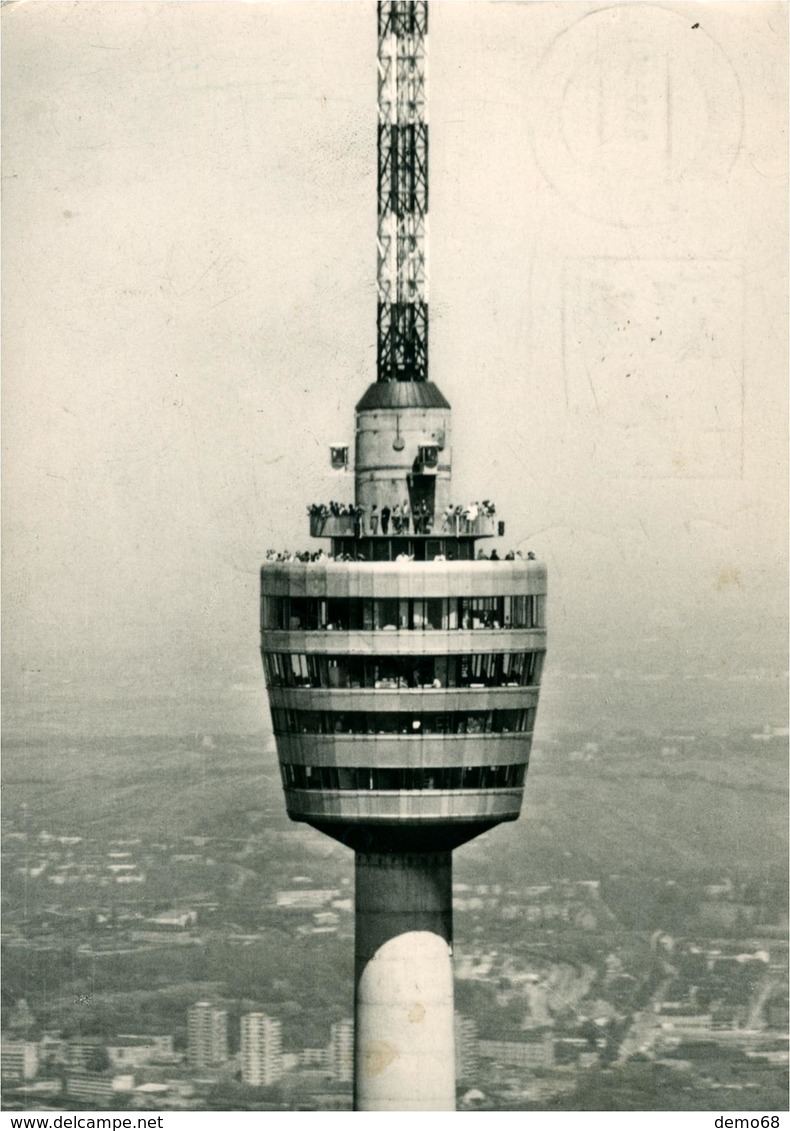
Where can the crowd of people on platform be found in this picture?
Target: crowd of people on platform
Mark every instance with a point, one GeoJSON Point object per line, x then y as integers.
{"type": "Point", "coordinates": [461, 520]}
{"type": "Point", "coordinates": [320, 512]}
{"type": "Point", "coordinates": [400, 518]}
{"type": "Point", "coordinates": [306, 556]}
{"type": "Point", "coordinates": [334, 510]}
{"type": "Point", "coordinates": [323, 556]}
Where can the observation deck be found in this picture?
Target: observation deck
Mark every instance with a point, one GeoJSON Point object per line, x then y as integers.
{"type": "Point", "coordinates": [350, 526]}
{"type": "Point", "coordinates": [403, 694]}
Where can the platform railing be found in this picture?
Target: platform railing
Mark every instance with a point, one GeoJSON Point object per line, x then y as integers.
{"type": "Point", "coordinates": [347, 526]}
{"type": "Point", "coordinates": [334, 526]}
{"type": "Point", "coordinates": [484, 526]}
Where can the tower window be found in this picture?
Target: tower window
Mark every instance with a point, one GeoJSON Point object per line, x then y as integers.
{"type": "Point", "coordinates": [403, 778]}
{"type": "Point", "coordinates": [287, 720]}
{"type": "Point", "coordinates": [480, 669]}
{"type": "Point", "coordinates": [375, 614]}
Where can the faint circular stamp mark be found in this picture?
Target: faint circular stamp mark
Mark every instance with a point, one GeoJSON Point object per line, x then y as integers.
{"type": "Point", "coordinates": [634, 106]}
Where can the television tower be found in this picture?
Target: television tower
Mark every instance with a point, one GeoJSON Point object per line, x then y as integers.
{"type": "Point", "coordinates": [403, 671]}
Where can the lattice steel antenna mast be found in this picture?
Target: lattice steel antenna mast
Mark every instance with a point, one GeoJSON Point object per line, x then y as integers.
{"type": "Point", "coordinates": [402, 191]}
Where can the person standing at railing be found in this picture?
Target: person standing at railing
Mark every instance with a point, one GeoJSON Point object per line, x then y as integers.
{"type": "Point", "coordinates": [374, 519]}
{"type": "Point", "coordinates": [396, 519]}
{"type": "Point", "coordinates": [405, 514]}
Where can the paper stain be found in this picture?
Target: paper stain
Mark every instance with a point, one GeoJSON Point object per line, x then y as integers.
{"type": "Point", "coordinates": [729, 578]}
{"type": "Point", "coordinates": [376, 1056]}
{"type": "Point", "coordinates": [417, 1013]}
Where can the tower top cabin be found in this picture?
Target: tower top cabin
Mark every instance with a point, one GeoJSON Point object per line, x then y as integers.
{"type": "Point", "coordinates": [403, 421]}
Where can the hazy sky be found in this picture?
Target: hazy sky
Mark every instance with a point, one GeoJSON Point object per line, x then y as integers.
{"type": "Point", "coordinates": [189, 319]}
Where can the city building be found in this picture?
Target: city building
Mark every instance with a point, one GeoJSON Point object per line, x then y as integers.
{"type": "Point", "coordinates": [527, 1052]}
{"type": "Point", "coordinates": [129, 1050]}
{"type": "Point", "coordinates": [306, 899]}
{"type": "Point", "coordinates": [160, 1044]}
{"type": "Point", "coordinates": [315, 1059]}
{"type": "Point", "coordinates": [261, 1050]}
{"type": "Point", "coordinates": [341, 1051]}
{"type": "Point", "coordinates": [207, 1035]}
{"type": "Point", "coordinates": [18, 1060]}
{"type": "Point", "coordinates": [96, 1087]}
{"type": "Point", "coordinates": [86, 1052]}
{"type": "Point", "coordinates": [466, 1052]}
{"type": "Point", "coordinates": [52, 1051]}
{"type": "Point", "coordinates": [403, 666]}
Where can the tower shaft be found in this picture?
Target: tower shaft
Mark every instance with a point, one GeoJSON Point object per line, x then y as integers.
{"type": "Point", "coordinates": [404, 1031]}
{"type": "Point", "coordinates": [402, 353]}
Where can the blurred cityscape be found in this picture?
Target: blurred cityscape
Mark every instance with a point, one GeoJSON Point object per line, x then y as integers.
{"type": "Point", "coordinates": [195, 953]}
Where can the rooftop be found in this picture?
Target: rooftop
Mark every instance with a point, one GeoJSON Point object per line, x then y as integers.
{"type": "Point", "coordinates": [402, 394]}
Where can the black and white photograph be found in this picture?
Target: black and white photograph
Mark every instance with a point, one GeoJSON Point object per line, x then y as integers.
{"type": "Point", "coordinates": [395, 631]}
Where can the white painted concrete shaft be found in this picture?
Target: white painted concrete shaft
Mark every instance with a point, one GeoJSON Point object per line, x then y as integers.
{"type": "Point", "coordinates": [404, 1033]}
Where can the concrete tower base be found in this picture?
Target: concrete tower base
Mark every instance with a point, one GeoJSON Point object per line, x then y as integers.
{"type": "Point", "coordinates": [404, 1032]}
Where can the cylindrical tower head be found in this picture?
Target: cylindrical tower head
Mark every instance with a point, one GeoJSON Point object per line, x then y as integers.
{"type": "Point", "coordinates": [403, 695]}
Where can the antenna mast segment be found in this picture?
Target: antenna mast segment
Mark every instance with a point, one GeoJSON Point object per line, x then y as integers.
{"type": "Point", "coordinates": [402, 191]}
